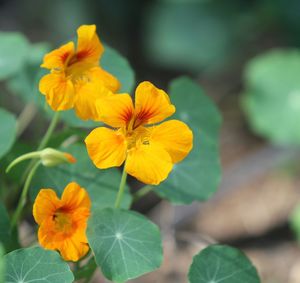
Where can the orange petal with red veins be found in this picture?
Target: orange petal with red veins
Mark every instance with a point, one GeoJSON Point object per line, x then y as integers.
{"type": "Point", "coordinates": [58, 58]}
{"type": "Point", "coordinates": [116, 110]}
{"type": "Point", "coordinates": [89, 47]}
{"type": "Point", "coordinates": [45, 205]}
{"type": "Point", "coordinates": [152, 104]}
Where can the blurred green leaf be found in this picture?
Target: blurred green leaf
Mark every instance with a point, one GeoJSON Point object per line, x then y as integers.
{"type": "Point", "coordinates": [272, 96]}
{"type": "Point", "coordinates": [2, 264]}
{"type": "Point", "coordinates": [198, 176]}
{"type": "Point", "coordinates": [222, 264]}
{"type": "Point", "coordinates": [113, 62]}
{"type": "Point", "coordinates": [187, 34]}
{"type": "Point", "coordinates": [5, 232]}
{"type": "Point", "coordinates": [8, 130]}
{"type": "Point", "coordinates": [102, 185]}
{"type": "Point", "coordinates": [13, 52]}
{"type": "Point", "coordinates": [36, 265]}
{"type": "Point", "coordinates": [125, 243]}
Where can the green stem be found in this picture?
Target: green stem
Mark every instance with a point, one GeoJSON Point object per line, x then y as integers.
{"type": "Point", "coordinates": [23, 197]}
{"type": "Point", "coordinates": [142, 192]}
{"type": "Point", "coordinates": [43, 142]}
{"type": "Point", "coordinates": [49, 132]}
{"type": "Point", "coordinates": [121, 189]}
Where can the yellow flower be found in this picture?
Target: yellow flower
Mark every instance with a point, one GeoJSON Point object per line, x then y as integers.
{"type": "Point", "coordinates": [150, 151]}
{"type": "Point", "coordinates": [76, 80]}
{"type": "Point", "coordinates": [63, 221]}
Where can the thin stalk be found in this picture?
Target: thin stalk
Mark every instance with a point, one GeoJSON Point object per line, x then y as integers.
{"type": "Point", "coordinates": [23, 197]}
{"type": "Point", "coordinates": [142, 192]}
{"type": "Point", "coordinates": [121, 189]}
{"type": "Point", "coordinates": [44, 141]}
{"type": "Point", "coordinates": [49, 132]}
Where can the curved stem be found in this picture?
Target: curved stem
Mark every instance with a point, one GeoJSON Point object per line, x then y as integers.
{"type": "Point", "coordinates": [23, 197]}
{"type": "Point", "coordinates": [142, 192]}
{"type": "Point", "coordinates": [121, 189]}
{"type": "Point", "coordinates": [44, 141]}
{"type": "Point", "coordinates": [49, 132]}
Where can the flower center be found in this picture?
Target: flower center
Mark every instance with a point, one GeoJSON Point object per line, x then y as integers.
{"type": "Point", "coordinates": [63, 221]}
{"type": "Point", "coordinates": [138, 136]}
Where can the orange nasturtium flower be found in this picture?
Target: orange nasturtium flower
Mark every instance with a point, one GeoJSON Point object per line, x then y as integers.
{"type": "Point", "coordinates": [150, 150]}
{"type": "Point", "coordinates": [76, 79]}
{"type": "Point", "coordinates": [63, 221]}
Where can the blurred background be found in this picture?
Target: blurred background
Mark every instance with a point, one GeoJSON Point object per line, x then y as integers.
{"type": "Point", "coordinates": [245, 56]}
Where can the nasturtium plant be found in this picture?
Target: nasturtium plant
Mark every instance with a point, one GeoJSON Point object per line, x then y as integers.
{"type": "Point", "coordinates": [8, 129]}
{"type": "Point", "coordinates": [102, 186]}
{"type": "Point", "coordinates": [126, 244]}
{"type": "Point", "coordinates": [198, 176]}
{"type": "Point", "coordinates": [271, 98]}
{"type": "Point", "coordinates": [36, 265]}
{"type": "Point", "coordinates": [222, 264]}
{"type": "Point", "coordinates": [75, 183]}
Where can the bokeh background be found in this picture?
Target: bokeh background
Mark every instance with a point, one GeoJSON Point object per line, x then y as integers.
{"type": "Point", "coordinates": [217, 44]}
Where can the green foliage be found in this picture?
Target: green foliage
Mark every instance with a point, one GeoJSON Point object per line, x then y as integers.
{"type": "Point", "coordinates": [5, 232]}
{"type": "Point", "coordinates": [272, 96]}
{"type": "Point", "coordinates": [13, 51]}
{"type": "Point", "coordinates": [126, 244]}
{"type": "Point", "coordinates": [2, 264]}
{"type": "Point", "coordinates": [295, 222]}
{"type": "Point", "coordinates": [102, 185]}
{"type": "Point", "coordinates": [198, 176]}
{"type": "Point", "coordinates": [36, 265]}
{"type": "Point", "coordinates": [8, 130]}
{"type": "Point", "coordinates": [222, 264]}
{"type": "Point", "coordinates": [187, 34]}
{"type": "Point", "coordinates": [113, 62]}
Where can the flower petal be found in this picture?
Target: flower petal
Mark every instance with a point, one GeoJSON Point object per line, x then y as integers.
{"type": "Point", "coordinates": [149, 163]}
{"type": "Point", "coordinates": [152, 105]}
{"type": "Point", "coordinates": [176, 138]}
{"type": "Point", "coordinates": [86, 97]}
{"type": "Point", "coordinates": [74, 197]}
{"type": "Point", "coordinates": [103, 78]}
{"type": "Point", "coordinates": [59, 91]}
{"type": "Point", "coordinates": [115, 110]}
{"type": "Point", "coordinates": [106, 147]}
{"type": "Point", "coordinates": [89, 47]}
{"type": "Point", "coordinates": [45, 205]}
{"type": "Point", "coordinates": [57, 58]}
{"type": "Point", "coordinates": [72, 249]}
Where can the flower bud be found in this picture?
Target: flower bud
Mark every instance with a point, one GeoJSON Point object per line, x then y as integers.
{"type": "Point", "coordinates": [51, 157]}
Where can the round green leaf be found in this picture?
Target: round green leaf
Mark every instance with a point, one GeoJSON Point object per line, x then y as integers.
{"type": "Point", "coordinates": [5, 232]}
{"type": "Point", "coordinates": [8, 130]}
{"type": "Point", "coordinates": [222, 264]}
{"type": "Point", "coordinates": [102, 185]}
{"type": "Point", "coordinates": [198, 176]}
{"type": "Point", "coordinates": [125, 243]}
{"type": "Point", "coordinates": [13, 52]}
{"type": "Point", "coordinates": [113, 62]}
{"type": "Point", "coordinates": [36, 265]}
{"type": "Point", "coordinates": [272, 96]}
